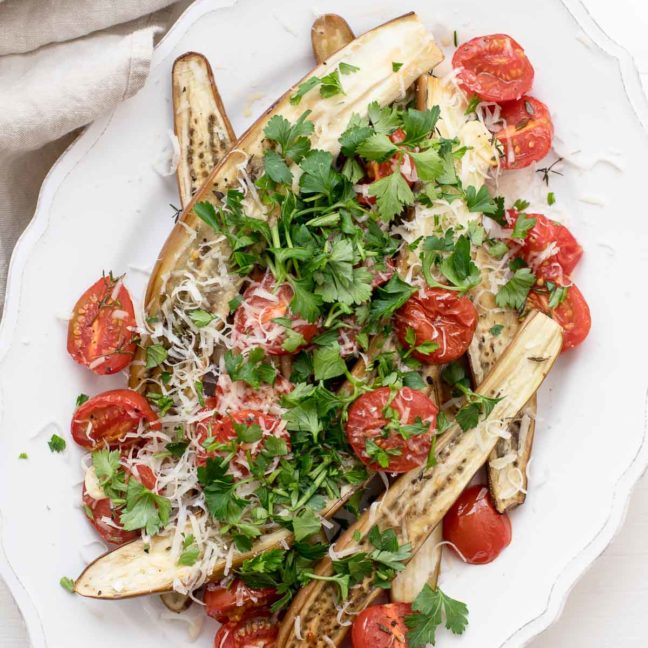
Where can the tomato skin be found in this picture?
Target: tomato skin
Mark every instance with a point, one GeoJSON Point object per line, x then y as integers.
{"type": "Point", "coordinates": [528, 134]}
{"type": "Point", "coordinates": [96, 510]}
{"type": "Point", "coordinates": [570, 252]}
{"type": "Point", "coordinates": [238, 601]}
{"type": "Point", "coordinates": [475, 528]}
{"type": "Point", "coordinates": [572, 314]}
{"type": "Point", "coordinates": [381, 277]}
{"type": "Point", "coordinates": [544, 233]}
{"type": "Point", "coordinates": [366, 421]}
{"type": "Point", "coordinates": [253, 318]}
{"type": "Point", "coordinates": [95, 333]}
{"type": "Point", "coordinates": [381, 626]}
{"type": "Point", "coordinates": [221, 429]}
{"type": "Point", "coordinates": [493, 67]}
{"type": "Point", "coordinates": [258, 632]}
{"type": "Point", "coordinates": [113, 414]}
{"type": "Point", "coordinates": [440, 316]}
{"type": "Point", "coordinates": [145, 476]}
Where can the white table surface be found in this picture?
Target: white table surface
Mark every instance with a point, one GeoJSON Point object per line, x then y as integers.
{"type": "Point", "coordinates": [608, 606]}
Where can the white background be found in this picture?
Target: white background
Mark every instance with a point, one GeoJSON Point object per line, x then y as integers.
{"type": "Point", "coordinates": [607, 608]}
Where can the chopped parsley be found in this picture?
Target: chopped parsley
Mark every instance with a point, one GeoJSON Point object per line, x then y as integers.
{"type": "Point", "coordinates": [396, 66]}
{"type": "Point", "coordinates": [82, 398]}
{"type": "Point", "coordinates": [190, 552]}
{"type": "Point", "coordinates": [251, 368]}
{"type": "Point", "coordinates": [201, 318]}
{"type": "Point", "coordinates": [430, 609]}
{"type": "Point", "coordinates": [523, 225]}
{"type": "Point", "coordinates": [514, 292]}
{"type": "Point", "coordinates": [144, 509]}
{"type": "Point", "coordinates": [56, 443]}
{"type": "Point", "coordinates": [67, 583]}
{"type": "Point", "coordinates": [156, 354]}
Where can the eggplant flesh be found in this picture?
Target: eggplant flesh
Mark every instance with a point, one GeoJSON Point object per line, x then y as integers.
{"type": "Point", "coordinates": [194, 248]}
{"type": "Point", "coordinates": [416, 503]}
{"type": "Point", "coordinates": [202, 126]}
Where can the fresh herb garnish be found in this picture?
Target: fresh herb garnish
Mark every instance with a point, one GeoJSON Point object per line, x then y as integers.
{"type": "Point", "coordinates": [67, 583]}
{"type": "Point", "coordinates": [156, 354]}
{"type": "Point", "coordinates": [432, 608]}
{"type": "Point", "coordinates": [56, 443]}
{"type": "Point", "coordinates": [514, 292]}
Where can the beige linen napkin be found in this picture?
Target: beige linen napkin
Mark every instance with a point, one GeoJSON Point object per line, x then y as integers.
{"type": "Point", "coordinates": [62, 64]}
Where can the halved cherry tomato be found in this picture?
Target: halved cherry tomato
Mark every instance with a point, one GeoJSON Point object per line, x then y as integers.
{"type": "Point", "coordinates": [542, 235]}
{"type": "Point", "coordinates": [145, 476]}
{"type": "Point", "coordinates": [259, 632]}
{"type": "Point", "coordinates": [101, 332]}
{"type": "Point", "coordinates": [253, 320]}
{"type": "Point", "coordinates": [569, 250]}
{"type": "Point", "coordinates": [439, 316]}
{"type": "Point", "coordinates": [381, 277]}
{"type": "Point", "coordinates": [368, 426]}
{"type": "Point", "coordinates": [236, 394]}
{"type": "Point", "coordinates": [217, 429]}
{"type": "Point", "coordinates": [572, 313]}
{"type": "Point", "coordinates": [381, 626]}
{"type": "Point", "coordinates": [475, 528]}
{"type": "Point", "coordinates": [348, 336]}
{"type": "Point", "coordinates": [106, 419]}
{"type": "Point", "coordinates": [238, 601]}
{"type": "Point", "coordinates": [105, 517]}
{"type": "Point", "coordinates": [528, 133]}
{"type": "Point", "coordinates": [493, 67]}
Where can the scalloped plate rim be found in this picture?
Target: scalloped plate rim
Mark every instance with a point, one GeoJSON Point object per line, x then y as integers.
{"type": "Point", "coordinates": [73, 155]}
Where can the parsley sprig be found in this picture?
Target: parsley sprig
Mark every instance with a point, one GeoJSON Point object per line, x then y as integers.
{"type": "Point", "coordinates": [433, 608]}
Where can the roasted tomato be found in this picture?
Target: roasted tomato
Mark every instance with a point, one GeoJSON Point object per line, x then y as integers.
{"type": "Point", "coordinates": [572, 311]}
{"type": "Point", "coordinates": [475, 528]}
{"type": "Point", "coordinates": [104, 516]}
{"type": "Point", "coordinates": [236, 395]}
{"type": "Point", "coordinates": [238, 601]}
{"type": "Point", "coordinates": [544, 233]}
{"type": "Point", "coordinates": [528, 133]}
{"type": "Point", "coordinates": [106, 419]}
{"type": "Point", "coordinates": [259, 632]}
{"type": "Point", "coordinates": [254, 319]}
{"type": "Point", "coordinates": [442, 317]}
{"type": "Point", "coordinates": [215, 429]}
{"type": "Point", "coordinates": [383, 272]}
{"type": "Point", "coordinates": [378, 428]}
{"type": "Point", "coordinates": [381, 626]}
{"type": "Point", "coordinates": [494, 67]}
{"type": "Point", "coordinates": [106, 519]}
{"type": "Point", "coordinates": [101, 332]}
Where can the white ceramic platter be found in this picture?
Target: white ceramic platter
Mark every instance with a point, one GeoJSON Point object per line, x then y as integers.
{"type": "Point", "coordinates": [104, 206]}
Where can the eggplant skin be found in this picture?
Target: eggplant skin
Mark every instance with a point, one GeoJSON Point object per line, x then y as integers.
{"type": "Point", "coordinates": [404, 39]}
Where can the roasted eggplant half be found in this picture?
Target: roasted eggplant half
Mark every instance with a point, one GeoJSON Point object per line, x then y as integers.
{"type": "Point", "coordinates": [416, 503]}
